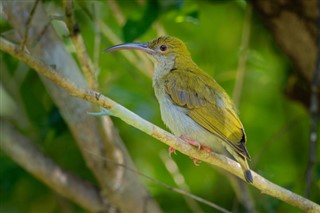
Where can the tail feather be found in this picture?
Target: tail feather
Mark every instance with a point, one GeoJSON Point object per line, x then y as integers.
{"type": "Point", "coordinates": [245, 168]}
{"type": "Point", "coordinates": [243, 161]}
{"type": "Point", "coordinates": [248, 176]}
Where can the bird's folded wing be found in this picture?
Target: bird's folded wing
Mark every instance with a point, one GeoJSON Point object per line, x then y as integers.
{"type": "Point", "coordinates": [208, 105]}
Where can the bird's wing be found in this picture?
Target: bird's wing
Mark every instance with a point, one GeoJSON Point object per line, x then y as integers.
{"type": "Point", "coordinates": [208, 105]}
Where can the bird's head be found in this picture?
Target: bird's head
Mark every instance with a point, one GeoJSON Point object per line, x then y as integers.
{"type": "Point", "coordinates": [164, 50]}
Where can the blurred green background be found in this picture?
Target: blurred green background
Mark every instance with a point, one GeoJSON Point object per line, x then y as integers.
{"type": "Point", "coordinates": [277, 128]}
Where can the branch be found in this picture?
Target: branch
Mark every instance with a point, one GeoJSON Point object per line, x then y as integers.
{"type": "Point", "coordinates": [80, 48]}
{"type": "Point", "coordinates": [264, 185]}
{"type": "Point", "coordinates": [243, 56]}
{"type": "Point", "coordinates": [26, 32]}
{"type": "Point", "coordinates": [97, 39]}
{"type": "Point", "coordinates": [63, 182]}
{"type": "Point", "coordinates": [314, 114]}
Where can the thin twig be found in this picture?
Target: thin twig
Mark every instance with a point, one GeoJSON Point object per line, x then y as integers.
{"type": "Point", "coordinates": [26, 32]}
{"type": "Point", "coordinates": [243, 55]}
{"type": "Point", "coordinates": [178, 178]}
{"type": "Point", "coordinates": [179, 191]}
{"type": "Point", "coordinates": [80, 48]}
{"type": "Point", "coordinates": [221, 161]}
{"type": "Point", "coordinates": [97, 40]}
{"type": "Point", "coordinates": [45, 28]}
{"type": "Point", "coordinates": [314, 114]}
{"type": "Point", "coordinates": [116, 12]}
{"type": "Point", "coordinates": [159, 29]}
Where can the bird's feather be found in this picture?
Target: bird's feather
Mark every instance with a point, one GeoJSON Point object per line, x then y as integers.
{"type": "Point", "coordinates": [207, 105]}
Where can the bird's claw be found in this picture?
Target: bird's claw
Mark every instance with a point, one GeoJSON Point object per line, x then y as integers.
{"type": "Point", "coordinates": [172, 150]}
{"type": "Point", "coordinates": [196, 162]}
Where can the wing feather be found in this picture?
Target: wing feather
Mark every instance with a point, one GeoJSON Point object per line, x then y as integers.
{"type": "Point", "coordinates": [208, 105]}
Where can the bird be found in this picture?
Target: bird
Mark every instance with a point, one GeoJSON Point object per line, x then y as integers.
{"type": "Point", "coordinates": [192, 104]}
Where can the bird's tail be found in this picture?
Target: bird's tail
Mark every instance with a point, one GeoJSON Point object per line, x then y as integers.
{"type": "Point", "coordinates": [243, 163]}
{"type": "Point", "coordinates": [245, 168]}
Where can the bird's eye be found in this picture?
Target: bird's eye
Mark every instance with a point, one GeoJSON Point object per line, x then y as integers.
{"type": "Point", "coordinates": [163, 47]}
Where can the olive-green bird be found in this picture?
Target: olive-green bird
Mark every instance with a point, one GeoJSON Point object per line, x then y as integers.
{"type": "Point", "coordinates": [193, 105]}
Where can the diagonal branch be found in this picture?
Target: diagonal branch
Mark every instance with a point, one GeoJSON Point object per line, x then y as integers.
{"type": "Point", "coordinates": [264, 185]}
{"type": "Point", "coordinates": [80, 48]}
{"type": "Point", "coordinates": [26, 32]}
{"type": "Point", "coordinates": [63, 182]}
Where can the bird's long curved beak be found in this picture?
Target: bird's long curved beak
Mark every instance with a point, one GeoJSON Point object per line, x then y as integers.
{"type": "Point", "coordinates": [130, 46]}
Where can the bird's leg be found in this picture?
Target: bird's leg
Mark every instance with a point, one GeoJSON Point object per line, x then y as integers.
{"type": "Point", "coordinates": [172, 150]}
{"type": "Point", "coordinates": [191, 142]}
{"type": "Point", "coordinates": [206, 148]}
{"type": "Point", "coordinates": [195, 143]}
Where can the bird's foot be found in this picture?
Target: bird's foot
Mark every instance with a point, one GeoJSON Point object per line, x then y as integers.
{"type": "Point", "coordinates": [206, 148]}
{"type": "Point", "coordinates": [196, 161]}
{"type": "Point", "coordinates": [172, 150]}
{"type": "Point", "coordinates": [191, 142]}
{"type": "Point", "coordinates": [195, 143]}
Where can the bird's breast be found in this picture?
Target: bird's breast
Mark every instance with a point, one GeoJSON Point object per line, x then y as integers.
{"type": "Point", "coordinates": [177, 120]}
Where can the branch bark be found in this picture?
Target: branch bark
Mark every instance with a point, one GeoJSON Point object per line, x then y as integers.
{"type": "Point", "coordinates": [264, 185]}
{"type": "Point", "coordinates": [78, 42]}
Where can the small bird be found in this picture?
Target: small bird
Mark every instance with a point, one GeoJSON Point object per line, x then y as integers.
{"type": "Point", "coordinates": [192, 104]}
